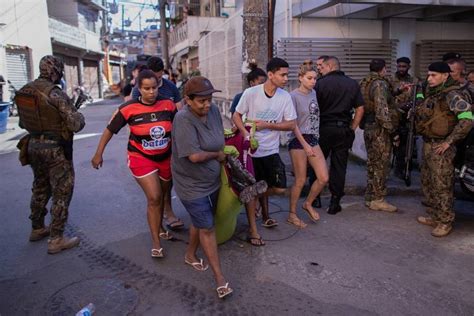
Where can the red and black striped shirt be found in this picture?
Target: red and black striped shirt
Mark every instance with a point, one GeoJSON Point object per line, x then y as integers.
{"type": "Point", "coordinates": [150, 127]}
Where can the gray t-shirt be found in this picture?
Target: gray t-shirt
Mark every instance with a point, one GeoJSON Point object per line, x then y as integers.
{"type": "Point", "coordinates": [191, 135]}
{"type": "Point", "coordinates": [307, 111]}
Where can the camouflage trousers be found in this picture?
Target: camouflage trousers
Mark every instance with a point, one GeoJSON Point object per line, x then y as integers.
{"type": "Point", "coordinates": [437, 182]}
{"type": "Point", "coordinates": [53, 179]}
{"type": "Point", "coordinates": [379, 148]}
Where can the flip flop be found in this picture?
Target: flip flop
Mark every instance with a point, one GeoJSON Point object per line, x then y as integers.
{"type": "Point", "coordinates": [259, 240]}
{"type": "Point", "coordinates": [314, 219]}
{"type": "Point", "coordinates": [198, 265]}
{"type": "Point", "coordinates": [177, 224]}
{"type": "Point", "coordinates": [157, 253]}
{"type": "Point", "coordinates": [166, 236]}
{"type": "Point", "coordinates": [223, 291]}
{"type": "Point", "coordinates": [298, 223]}
{"type": "Point", "coordinates": [269, 223]}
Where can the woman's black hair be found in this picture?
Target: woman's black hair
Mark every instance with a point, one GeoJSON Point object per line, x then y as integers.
{"type": "Point", "coordinates": [255, 72]}
{"type": "Point", "coordinates": [145, 74]}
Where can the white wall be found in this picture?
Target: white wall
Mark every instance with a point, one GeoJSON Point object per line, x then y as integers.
{"type": "Point", "coordinates": [444, 31]}
{"type": "Point", "coordinates": [26, 25]}
{"type": "Point", "coordinates": [337, 28]}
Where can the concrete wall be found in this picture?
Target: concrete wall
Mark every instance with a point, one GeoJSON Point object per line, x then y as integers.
{"type": "Point", "coordinates": [64, 10]}
{"type": "Point", "coordinates": [336, 28]}
{"type": "Point", "coordinates": [26, 25]}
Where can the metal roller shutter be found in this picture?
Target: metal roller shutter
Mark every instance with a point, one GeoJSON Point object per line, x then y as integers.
{"type": "Point", "coordinates": [353, 54]}
{"type": "Point", "coordinates": [91, 78]}
{"type": "Point", "coordinates": [433, 50]}
{"type": "Point", "coordinates": [71, 72]}
{"type": "Point", "coordinates": [18, 66]}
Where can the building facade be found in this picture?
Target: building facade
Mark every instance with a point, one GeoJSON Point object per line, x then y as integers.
{"type": "Point", "coordinates": [24, 39]}
{"type": "Point", "coordinates": [75, 27]}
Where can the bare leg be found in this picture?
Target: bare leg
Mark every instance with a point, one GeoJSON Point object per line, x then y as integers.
{"type": "Point", "coordinates": [207, 237]}
{"type": "Point", "coordinates": [193, 244]}
{"type": "Point", "coordinates": [151, 186]}
{"type": "Point", "coordinates": [263, 199]}
{"type": "Point", "coordinates": [318, 163]}
{"type": "Point", "coordinates": [169, 215]}
{"type": "Point", "coordinates": [255, 238]}
{"type": "Point", "coordinates": [299, 161]}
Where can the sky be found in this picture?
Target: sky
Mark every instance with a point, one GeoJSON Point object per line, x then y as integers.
{"type": "Point", "coordinates": [132, 10]}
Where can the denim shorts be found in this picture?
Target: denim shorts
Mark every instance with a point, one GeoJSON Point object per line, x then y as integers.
{"type": "Point", "coordinates": [202, 210]}
{"type": "Point", "coordinates": [311, 139]}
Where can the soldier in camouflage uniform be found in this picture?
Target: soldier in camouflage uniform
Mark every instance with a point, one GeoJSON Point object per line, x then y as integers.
{"type": "Point", "coordinates": [443, 119]}
{"type": "Point", "coordinates": [399, 81]}
{"type": "Point", "coordinates": [381, 120]}
{"type": "Point", "coordinates": [50, 118]}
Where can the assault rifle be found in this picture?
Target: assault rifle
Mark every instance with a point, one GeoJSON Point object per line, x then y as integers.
{"type": "Point", "coordinates": [411, 134]}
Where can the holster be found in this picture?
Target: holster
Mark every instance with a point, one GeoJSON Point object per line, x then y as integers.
{"type": "Point", "coordinates": [23, 147]}
{"type": "Point", "coordinates": [67, 147]}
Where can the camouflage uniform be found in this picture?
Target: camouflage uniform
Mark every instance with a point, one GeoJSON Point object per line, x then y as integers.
{"type": "Point", "coordinates": [47, 113]}
{"type": "Point", "coordinates": [381, 121]}
{"type": "Point", "coordinates": [444, 116]}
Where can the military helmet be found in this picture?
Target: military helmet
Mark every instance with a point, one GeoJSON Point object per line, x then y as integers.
{"type": "Point", "coordinates": [51, 66]}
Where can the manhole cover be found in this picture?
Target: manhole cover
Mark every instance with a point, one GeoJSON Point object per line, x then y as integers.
{"type": "Point", "coordinates": [110, 297]}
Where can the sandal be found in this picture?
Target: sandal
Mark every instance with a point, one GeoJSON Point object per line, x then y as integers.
{"type": "Point", "coordinates": [198, 265]}
{"type": "Point", "coordinates": [269, 223]}
{"type": "Point", "coordinates": [177, 224]}
{"type": "Point", "coordinates": [311, 215]}
{"type": "Point", "coordinates": [166, 236]}
{"type": "Point", "coordinates": [297, 222]}
{"type": "Point", "coordinates": [223, 291]}
{"type": "Point", "coordinates": [255, 241]}
{"type": "Point", "coordinates": [157, 253]}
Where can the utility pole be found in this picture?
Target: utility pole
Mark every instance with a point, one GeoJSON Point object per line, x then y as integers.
{"type": "Point", "coordinates": [164, 33]}
{"type": "Point", "coordinates": [255, 36]}
{"type": "Point", "coordinates": [123, 18]}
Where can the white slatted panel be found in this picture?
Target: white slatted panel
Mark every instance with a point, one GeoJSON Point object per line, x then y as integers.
{"type": "Point", "coordinates": [354, 54]}
{"type": "Point", "coordinates": [431, 51]}
{"type": "Point", "coordinates": [18, 67]}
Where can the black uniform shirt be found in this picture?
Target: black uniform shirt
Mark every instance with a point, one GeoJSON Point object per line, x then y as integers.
{"type": "Point", "coordinates": [337, 95]}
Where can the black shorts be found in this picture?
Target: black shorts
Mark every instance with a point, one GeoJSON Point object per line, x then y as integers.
{"type": "Point", "coordinates": [271, 169]}
{"type": "Point", "coordinates": [311, 139]}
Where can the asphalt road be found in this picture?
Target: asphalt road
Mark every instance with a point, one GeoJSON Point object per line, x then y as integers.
{"type": "Point", "coordinates": [358, 262]}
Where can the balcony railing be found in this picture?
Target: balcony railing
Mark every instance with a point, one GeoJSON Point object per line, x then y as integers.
{"type": "Point", "coordinates": [73, 36]}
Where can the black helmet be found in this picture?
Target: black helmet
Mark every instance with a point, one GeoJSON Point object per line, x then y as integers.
{"type": "Point", "coordinates": [51, 66]}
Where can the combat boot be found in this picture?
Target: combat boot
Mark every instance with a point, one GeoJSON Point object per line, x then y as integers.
{"type": "Point", "coordinates": [38, 234]}
{"type": "Point", "coordinates": [442, 230]}
{"type": "Point", "coordinates": [382, 205]}
{"type": "Point", "coordinates": [334, 206]}
{"type": "Point", "coordinates": [427, 221]}
{"type": "Point", "coordinates": [58, 244]}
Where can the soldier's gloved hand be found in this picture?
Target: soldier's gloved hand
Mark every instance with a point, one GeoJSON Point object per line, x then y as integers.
{"type": "Point", "coordinates": [405, 107]}
{"type": "Point", "coordinates": [395, 137]}
{"type": "Point", "coordinates": [231, 150]}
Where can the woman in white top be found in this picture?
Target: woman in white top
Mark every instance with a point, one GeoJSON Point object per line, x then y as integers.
{"type": "Point", "coordinates": [304, 145]}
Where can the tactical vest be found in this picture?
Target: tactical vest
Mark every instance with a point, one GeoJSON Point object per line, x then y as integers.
{"type": "Point", "coordinates": [434, 117]}
{"type": "Point", "coordinates": [369, 107]}
{"type": "Point", "coordinates": [37, 115]}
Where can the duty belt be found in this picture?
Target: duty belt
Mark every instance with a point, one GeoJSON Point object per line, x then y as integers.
{"type": "Point", "coordinates": [335, 124]}
{"type": "Point", "coordinates": [433, 140]}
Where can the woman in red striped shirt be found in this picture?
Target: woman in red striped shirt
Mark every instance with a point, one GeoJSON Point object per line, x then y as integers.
{"type": "Point", "coordinates": [149, 148]}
